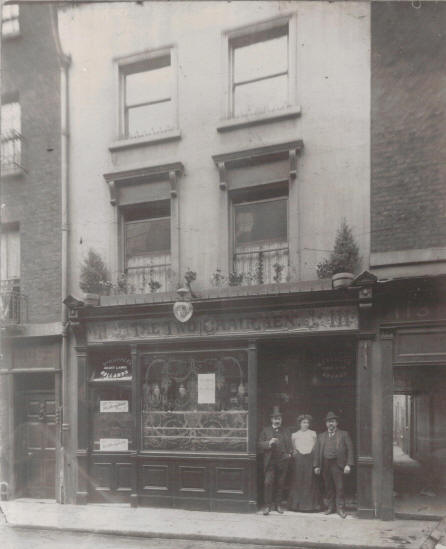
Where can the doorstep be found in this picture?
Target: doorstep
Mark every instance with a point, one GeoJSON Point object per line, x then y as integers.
{"type": "Point", "coordinates": [290, 529]}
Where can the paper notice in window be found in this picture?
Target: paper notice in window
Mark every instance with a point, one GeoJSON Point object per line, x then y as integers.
{"type": "Point", "coordinates": [114, 406]}
{"type": "Point", "coordinates": [113, 444]}
{"type": "Point", "coordinates": [206, 388]}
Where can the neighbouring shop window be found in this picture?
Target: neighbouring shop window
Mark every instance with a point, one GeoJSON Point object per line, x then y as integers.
{"type": "Point", "coordinates": [111, 396]}
{"type": "Point", "coordinates": [147, 247]}
{"type": "Point", "coordinates": [261, 253]}
{"type": "Point", "coordinates": [195, 401]}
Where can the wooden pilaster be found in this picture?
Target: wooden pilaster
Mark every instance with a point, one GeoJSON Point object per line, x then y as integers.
{"type": "Point", "coordinates": [385, 450]}
{"type": "Point", "coordinates": [82, 425]}
{"type": "Point", "coordinates": [365, 460]}
{"type": "Point", "coordinates": [136, 408]}
{"type": "Point", "coordinates": [252, 421]}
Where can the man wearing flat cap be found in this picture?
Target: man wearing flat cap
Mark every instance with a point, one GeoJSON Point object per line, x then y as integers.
{"type": "Point", "coordinates": [333, 455]}
{"type": "Point", "coordinates": [275, 443]}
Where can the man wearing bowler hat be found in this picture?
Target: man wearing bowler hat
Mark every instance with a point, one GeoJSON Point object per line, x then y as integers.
{"type": "Point", "coordinates": [275, 443]}
{"type": "Point", "coordinates": [333, 455]}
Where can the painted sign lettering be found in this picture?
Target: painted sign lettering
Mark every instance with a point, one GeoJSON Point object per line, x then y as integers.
{"type": "Point", "coordinates": [323, 319]}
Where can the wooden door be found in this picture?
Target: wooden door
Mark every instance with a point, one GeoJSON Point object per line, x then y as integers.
{"type": "Point", "coordinates": [39, 437]}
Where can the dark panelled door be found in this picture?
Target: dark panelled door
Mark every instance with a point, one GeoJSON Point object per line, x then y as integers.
{"type": "Point", "coordinates": [39, 444]}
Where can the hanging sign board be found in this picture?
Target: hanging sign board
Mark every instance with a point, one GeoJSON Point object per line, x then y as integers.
{"type": "Point", "coordinates": [107, 406]}
{"type": "Point", "coordinates": [206, 388]}
{"type": "Point", "coordinates": [113, 444]}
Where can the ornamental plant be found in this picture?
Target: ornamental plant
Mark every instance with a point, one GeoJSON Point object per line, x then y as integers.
{"type": "Point", "coordinates": [94, 277]}
{"type": "Point", "coordinates": [345, 256]}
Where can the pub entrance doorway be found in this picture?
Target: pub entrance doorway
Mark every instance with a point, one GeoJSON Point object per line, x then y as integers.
{"type": "Point", "coordinates": [419, 441]}
{"type": "Point", "coordinates": [35, 418]}
{"type": "Point", "coordinates": [309, 376]}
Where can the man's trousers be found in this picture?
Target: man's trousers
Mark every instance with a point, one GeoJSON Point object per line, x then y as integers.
{"type": "Point", "coordinates": [334, 483]}
{"type": "Point", "coordinates": [275, 471]}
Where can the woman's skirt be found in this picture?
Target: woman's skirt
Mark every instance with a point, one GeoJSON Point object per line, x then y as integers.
{"type": "Point", "coordinates": [304, 494]}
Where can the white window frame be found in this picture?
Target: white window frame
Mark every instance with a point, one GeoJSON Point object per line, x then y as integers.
{"type": "Point", "coordinates": [121, 64]}
{"type": "Point", "coordinates": [229, 36]}
{"type": "Point", "coordinates": [8, 18]}
{"type": "Point", "coordinates": [11, 164]}
{"type": "Point", "coordinates": [6, 234]}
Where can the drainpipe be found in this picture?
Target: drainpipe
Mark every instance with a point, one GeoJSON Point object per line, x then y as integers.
{"type": "Point", "coordinates": [63, 386]}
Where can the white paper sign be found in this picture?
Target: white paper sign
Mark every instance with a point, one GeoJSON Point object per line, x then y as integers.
{"type": "Point", "coordinates": [114, 406]}
{"type": "Point", "coordinates": [206, 388]}
{"type": "Point", "coordinates": [113, 444]}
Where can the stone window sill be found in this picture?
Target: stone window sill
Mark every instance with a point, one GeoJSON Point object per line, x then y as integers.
{"type": "Point", "coordinates": [255, 119]}
{"type": "Point", "coordinates": [123, 144]}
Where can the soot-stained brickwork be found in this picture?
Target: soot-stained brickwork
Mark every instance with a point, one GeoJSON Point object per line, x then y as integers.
{"type": "Point", "coordinates": [31, 75]}
{"type": "Point", "coordinates": [408, 156]}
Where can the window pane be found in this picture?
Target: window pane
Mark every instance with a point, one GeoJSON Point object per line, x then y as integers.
{"type": "Point", "coordinates": [195, 402]}
{"type": "Point", "coordinates": [261, 59]}
{"type": "Point", "coordinates": [10, 19]}
{"type": "Point", "coordinates": [263, 221]}
{"type": "Point", "coordinates": [112, 420]}
{"type": "Point", "coordinates": [10, 121]}
{"type": "Point", "coordinates": [10, 255]}
{"type": "Point", "coordinates": [146, 86]}
{"type": "Point", "coordinates": [147, 236]}
{"type": "Point", "coordinates": [262, 96]}
{"type": "Point", "coordinates": [150, 119]}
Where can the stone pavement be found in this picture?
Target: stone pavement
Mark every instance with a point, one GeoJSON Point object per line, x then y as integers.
{"type": "Point", "coordinates": [289, 530]}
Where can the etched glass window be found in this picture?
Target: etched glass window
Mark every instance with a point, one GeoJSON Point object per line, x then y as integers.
{"type": "Point", "coordinates": [195, 402]}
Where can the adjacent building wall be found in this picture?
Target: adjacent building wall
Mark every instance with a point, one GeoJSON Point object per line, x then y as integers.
{"type": "Point", "coordinates": [408, 192]}
{"type": "Point", "coordinates": [30, 70]}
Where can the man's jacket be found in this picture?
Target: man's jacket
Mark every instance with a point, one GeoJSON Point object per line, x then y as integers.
{"type": "Point", "coordinates": [344, 449]}
{"type": "Point", "coordinates": [279, 451]}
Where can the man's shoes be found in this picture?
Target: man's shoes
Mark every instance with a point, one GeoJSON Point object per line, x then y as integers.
{"type": "Point", "coordinates": [266, 510]}
{"type": "Point", "coordinates": [342, 513]}
{"type": "Point", "coordinates": [279, 509]}
{"type": "Point", "coordinates": [329, 511]}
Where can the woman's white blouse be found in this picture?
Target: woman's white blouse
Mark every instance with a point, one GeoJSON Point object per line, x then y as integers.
{"type": "Point", "coordinates": [304, 441]}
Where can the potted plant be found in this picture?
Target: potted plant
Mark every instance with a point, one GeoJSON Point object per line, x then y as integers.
{"type": "Point", "coordinates": [94, 278]}
{"type": "Point", "coordinates": [344, 260]}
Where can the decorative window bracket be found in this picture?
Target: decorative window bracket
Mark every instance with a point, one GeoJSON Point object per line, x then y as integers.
{"type": "Point", "coordinates": [168, 172]}
{"type": "Point", "coordinates": [259, 155]}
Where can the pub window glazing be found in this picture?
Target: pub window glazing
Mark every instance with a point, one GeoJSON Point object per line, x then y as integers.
{"type": "Point", "coordinates": [112, 425]}
{"type": "Point", "coordinates": [195, 401]}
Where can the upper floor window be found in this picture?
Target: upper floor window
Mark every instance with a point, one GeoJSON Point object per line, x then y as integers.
{"type": "Point", "coordinates": [260, 240]}
{"type": "Point", "coordinates": [148, 100]}
{"type": "Point", "coordinates": [260, 71]}
{"type": "Point", "coordinates": [147, 247]}
{"type": "Point", "coordinates": [10, 20]}
{"type": "Point", "coordinates": [11, 138]}
{"type": "Point", "coordinates": [10, 256]}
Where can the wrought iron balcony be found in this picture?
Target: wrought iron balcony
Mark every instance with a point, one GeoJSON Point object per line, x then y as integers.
{"type": "Point", "coordinates": [151, 277]}
{"type": "Point", "coordinates": [14, 305]}
{"type": "Point", "coordinates": [266, 265]}
{"type": "Point", "coordinates": [11, 153]}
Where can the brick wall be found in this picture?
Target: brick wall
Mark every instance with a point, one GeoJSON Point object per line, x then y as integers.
{"type": "Point", "coordinates": [30, 67]}
{"type": "Point", "coordinates": [408, 194]}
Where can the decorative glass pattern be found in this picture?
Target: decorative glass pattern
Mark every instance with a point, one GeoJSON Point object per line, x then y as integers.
{"type": "Point", "coordinates": [195, 402]}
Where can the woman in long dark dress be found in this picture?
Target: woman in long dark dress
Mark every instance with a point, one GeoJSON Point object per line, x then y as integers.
{"type": "Point", "coordinates": [304, 493]}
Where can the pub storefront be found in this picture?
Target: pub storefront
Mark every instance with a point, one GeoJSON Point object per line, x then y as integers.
{"type": "Point", "coordinates": [169, 412]}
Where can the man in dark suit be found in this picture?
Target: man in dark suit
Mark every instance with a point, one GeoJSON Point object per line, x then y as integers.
{"type": "Point", "coordinates": [275, 443]}
{"type": "Point", "coordinates": [333, 455]}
